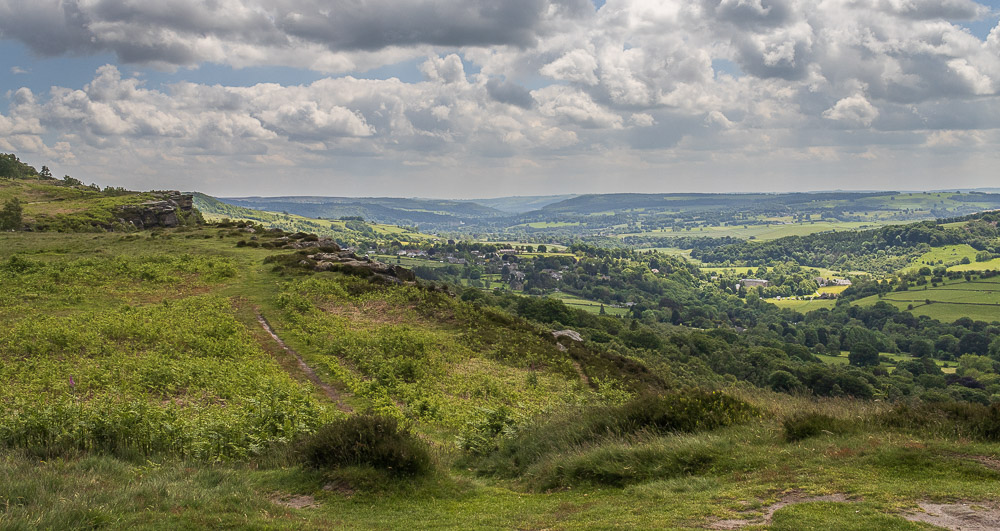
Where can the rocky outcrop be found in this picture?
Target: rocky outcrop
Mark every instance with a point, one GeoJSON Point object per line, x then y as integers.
{"type": "Point", "coordinates": [347, 261]}
{"type": "Point", "coordinates": [169, 209]}
{"type": "Point", "coordinates": [571, 334]}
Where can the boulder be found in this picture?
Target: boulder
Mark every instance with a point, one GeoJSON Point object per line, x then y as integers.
{"type": "Point", "coordinates": [571, 334]}
{"type": "Point", "coordinates": [161, 212]}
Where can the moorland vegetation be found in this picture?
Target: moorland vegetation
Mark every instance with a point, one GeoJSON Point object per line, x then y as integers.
{"type": "Point", "coordinates": [143, 389]}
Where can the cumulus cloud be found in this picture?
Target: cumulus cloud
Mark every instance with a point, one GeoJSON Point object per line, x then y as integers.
{"type": "Point", "coordinates": [853, 111]}
{"type": "Point", "coordinates": [509, 92]}
{"type": "Point", "coordinates": [307, 33]}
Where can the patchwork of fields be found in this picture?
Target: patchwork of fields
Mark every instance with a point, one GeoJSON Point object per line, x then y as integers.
{"type": "Point", "coordinates": [765, 232]}
{"type": "Point", "coordinates": [978, 299]}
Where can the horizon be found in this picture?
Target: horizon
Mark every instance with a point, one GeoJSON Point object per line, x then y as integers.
{"type": "Point", "coordinates": [987, 190]}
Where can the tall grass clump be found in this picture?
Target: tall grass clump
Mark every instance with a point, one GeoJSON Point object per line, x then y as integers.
{"type": "Point", "coordinates": [645, 416]}
{"type": "Point", "coordinates": [808, 425]}
{"type": "Point", "coordinates": [369, 440]}
{"type": "Point", "coordinates": [950, 419]}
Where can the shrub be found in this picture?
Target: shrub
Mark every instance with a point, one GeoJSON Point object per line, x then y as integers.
{"type": "Point", "coordinates": [808, 425]}
{"type": "Point", "coordinates": [366, 440]}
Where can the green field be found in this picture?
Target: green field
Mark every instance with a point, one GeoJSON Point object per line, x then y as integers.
{"type": "Point", "coordinates": [672, 251]}
{"type": "Point", "coordinates": [552, 247]}
{"type": "Point", "coordinates": [949, 301]}
{"type": "Point", "coordinates": [820, 271]}
{"type": "Point", "coordinates": [842, 359]}
{"type": "Point", "coordinates": [580, 303]}
{"type": "Point", "coordinates": [951, 256]}
{"type": "Point", "coordinates": [550, 224]}
{"type": "Point", "coordinates": [765, 232]}
{"type": "Point", "coordinates": [948, 255]}
{"type": "Point", "coordinates": [802, 305]}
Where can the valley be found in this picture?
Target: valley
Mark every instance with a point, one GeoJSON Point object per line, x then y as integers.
{"type": "Point", "coordinates": [256, 369]}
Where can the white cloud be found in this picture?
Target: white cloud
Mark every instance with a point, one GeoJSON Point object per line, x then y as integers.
{"type": "Point", "coordinates": [575, 65]}
{"type": "Point", "coordinates": [853, 111]}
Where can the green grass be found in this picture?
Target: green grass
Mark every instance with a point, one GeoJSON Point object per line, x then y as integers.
{"type": "Point", "coordinates": [165, 325]}
{"type": "Point", "coordinates": [349, 233]}
{"type": "Point", "coordinates": [951, 256]}
{"type": "Point", "coordinates": [738, 270]}
{"type": "Point", "coordinates": [803, 306]}
{"type": "Point", "coordinates": [65, 208]}
{"type": "Point", "coordinates": [948, 255]}
{"type": "Point", "coordinates": [882, 472]}
{"type": "Point", "coordinates": [842, 359]}
{"type": "Point", "coordinates": [550, 224]}
{"type": "Point", "coordinates": [835, 360]}
{"type": "Point", "coordinates": [949, 301]}
{"type": "Point", "coordinates": [766, 232]}
{"type": "Point", "coordinates": [574, 301]}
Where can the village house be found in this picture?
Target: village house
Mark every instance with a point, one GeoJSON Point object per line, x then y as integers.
{"type": "Point", "coordinates": [552, 273]}
{"type": "Point", "coordinates": [754, 283]}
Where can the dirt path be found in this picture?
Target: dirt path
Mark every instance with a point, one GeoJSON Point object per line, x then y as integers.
{"type": "Point", "coordinates": [968, 516]}
{"type": "Point", "coordinates": [583, 375]}
{"type": "Point", "coordinates": [768, 511]}
{"type": "Point", "coordinates": [335, 396]}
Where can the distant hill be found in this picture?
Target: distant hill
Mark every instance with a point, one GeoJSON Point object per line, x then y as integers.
{"type": "Point", "coordinates": [644, 218]}
{"type": "Point", "coordinates": [522, 204]}
{"type": "Point", "coordinates": [425, 213]}
{"type": "Point", "coordinates": [348, 232]}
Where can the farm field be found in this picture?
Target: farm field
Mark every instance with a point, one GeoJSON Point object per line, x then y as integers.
{"type": "Point", "coordinates": [408, 262]}
{"type": "Point", "coordinates": [842, 359]}
{"type": "Point", "coordinates": [765, 232]}
{"type": "Point", "coordinates": [978, 300]}
{"type": "Point", "coordinates": [949, 255]}
{"type": "Point", "coordinates": [672, 251]}
{"type": "Point", "coordinates": [820, 271]}
{"type": "Point", "coordinates": [552, 247]}
{"type": "Point", "coordinates": [574, 301]}
{"type": "Point", "coordinates": [803, 306]}
{"type": "Point", "coordinates": [550, 224]}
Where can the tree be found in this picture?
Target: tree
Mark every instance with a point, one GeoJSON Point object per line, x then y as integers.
{"type": "Point", "coordinates": [974, 343]}
{"type": "Point", "coordinates": [784, 381]}
{"type": "Point", "coordinates": [921, 347]}
{"type": "Point", "coordinates": [10, 216]}
{"type": "Point", "coordinates": [863, 355]}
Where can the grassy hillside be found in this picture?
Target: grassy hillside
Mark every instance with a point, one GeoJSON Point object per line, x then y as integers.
{"type": "Point", "coordinates": [427, 213]}
{"type": "Point", "coordinates": [351, 233]}
{"type": "Point", "coordinates": [48, 205]}
{"type": "Point", "coordinates": [141, 390]}
{"type": "Point", "coordinates": [34, 200]}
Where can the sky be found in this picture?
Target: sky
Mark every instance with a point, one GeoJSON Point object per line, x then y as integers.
{"type": "Point", "coordinates": [477, 98]}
